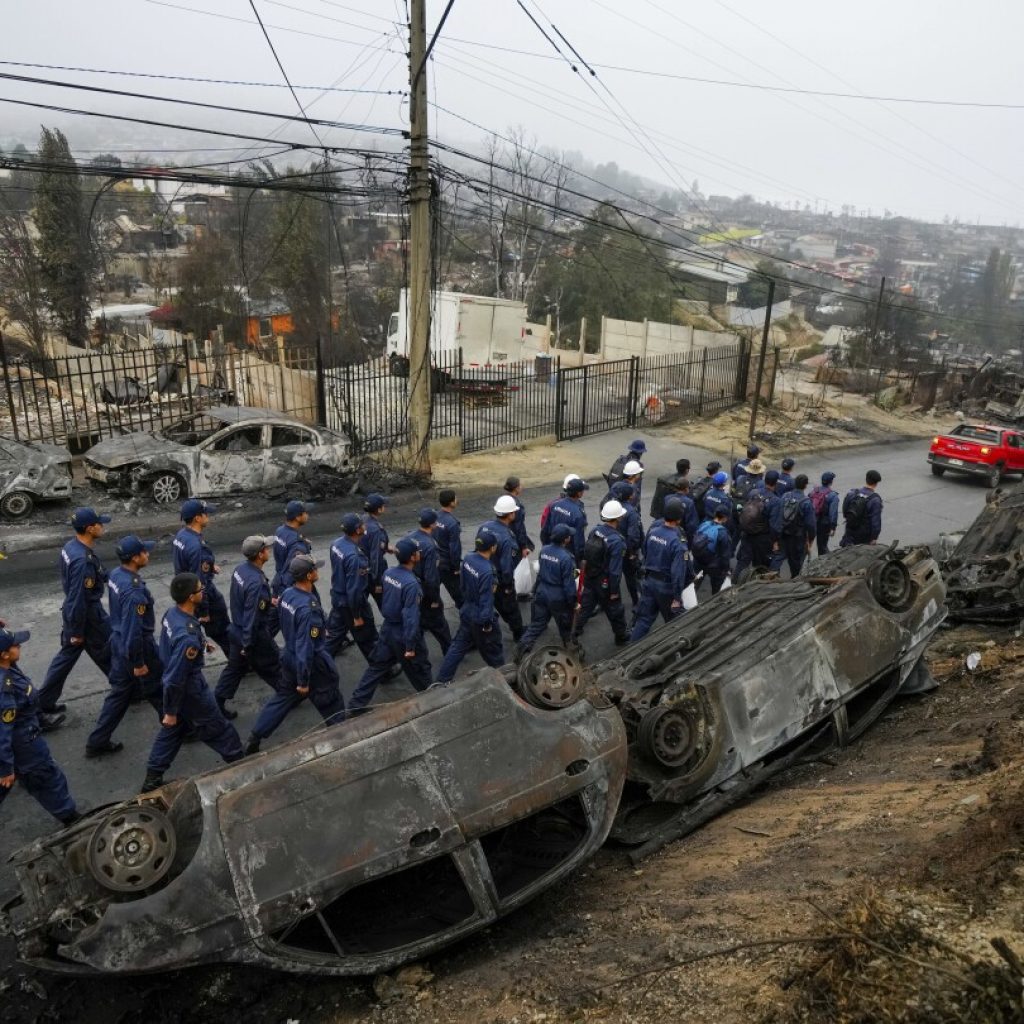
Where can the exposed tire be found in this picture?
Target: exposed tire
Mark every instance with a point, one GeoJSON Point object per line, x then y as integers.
{"type": "Point", "coordinates": [891, 586]}
{"type": "Point", "coordinates": [167, 488]}
{"type": "Point", "coordinates": [17, 505]}
{"type": "Point", "coordinates": [938, 470]}
{"type": "Point", "coordinates": [994, 476]}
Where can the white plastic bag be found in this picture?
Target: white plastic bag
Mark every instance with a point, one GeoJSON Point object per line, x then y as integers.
{"type": "Point", "coordinates": [525, 576]}
{"type": "Point", "coordinates": [690, 598]}
{"type": "Point", "coordinates": [726, 584]}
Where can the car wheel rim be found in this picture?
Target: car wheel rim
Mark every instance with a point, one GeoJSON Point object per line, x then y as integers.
{"type": "Point", "coordinates": [16, 505]}
{"type": "Point", "coordinates": [551, 678]}
{"type": "Point", "coordinates": [132, 849]}
{"type": "Point", "coordinates": [166, 489]}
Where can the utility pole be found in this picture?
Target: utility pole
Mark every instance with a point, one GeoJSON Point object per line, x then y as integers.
{"type": "Point", "coordinates": [878, 317]}
{"type": "Point", "coordinates": [761, 357]}
{"type": "Point", "coordinates": [419, 245]}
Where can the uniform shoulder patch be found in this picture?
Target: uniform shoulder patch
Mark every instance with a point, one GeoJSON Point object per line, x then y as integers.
{"type": "Point", "coordinates": [88, 583]}
{"type": "Point", "coordinates": [8, 716]}
{"type": "Point", "coordinates": [263, 605]}
{"type": "Point", "coordinates": [191, 653]}
{"type": "Point", "coordinates": [314, 631]}
{"type": "Point", "coordinates": [141, 609]}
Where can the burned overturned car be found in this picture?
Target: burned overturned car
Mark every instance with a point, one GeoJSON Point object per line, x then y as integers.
{"type": "Point", "coordinates": [762, 676]}
{"type": "Point", "coordinates": [347, 851]}
{"type": "Point", "coordinates": [214, 452]}
{"type": "Point", "coordinates": [30, 473]}
{"type": "Point", "coordinates": [360, 846]}
{"type": "Point", "coordinates": [985, 572]}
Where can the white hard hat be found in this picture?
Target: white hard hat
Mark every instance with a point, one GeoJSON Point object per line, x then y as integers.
{"type": "Point", "coordinates": [571, 476]}
{"type": "Point", "coordinates": [505, 504]}
{"type": "Point", "coordinates": [632, 468]}
{"type": "Point", "coordinates": [612, 510]}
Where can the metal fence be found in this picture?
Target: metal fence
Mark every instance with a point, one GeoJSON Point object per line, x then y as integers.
{"type": "Point", "coordinates": [78, 400]}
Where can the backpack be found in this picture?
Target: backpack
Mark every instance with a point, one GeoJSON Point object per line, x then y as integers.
{"type": "Point", "coordinates": [545, 533]}
{"type": "Point", "coordinates": [856, 509]}
{"type": "Point", "coordinates": [819, 502]}
{"type": "Point", "coordinates": [741, 489]}
{"type": "Point", "coordinates": [697, 492]}
{"type": "Point", "coordinates": [791, 518]}
{"type": "Point", "coordinates": [705, 541]}
{"type": "Point", "coordinates": [752, 513]}
{"type": "Point", "coordinates": [595, 555]}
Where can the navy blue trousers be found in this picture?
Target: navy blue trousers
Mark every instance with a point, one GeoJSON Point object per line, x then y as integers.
{"type": "Point", "coordinates": [123, 688]}
{"type": "Point", "coordinates": [198, 713]}
{"type": "Point", "coordinates": [388, 652]}
{"type": "Point", "coordinates": [324, 694]}
{"type": "Point", "coordinates": [597, 596]}
{"type": "Point", "coordinates": [546, 608]}
{"type": "Point", "coordinates": [656, 598]}
{"type": "Point", "coordinates": [97, 645]}
{"type": "Point", "coordinates": [261, 657]}
{"type": "Point", "coordinates": [792, 550]}
{"type": "Point", "coordinates": [340, 625]}
{"type": "Point", "coordinates": [36, 770]}
{"type": "Point", "coordinates": [469, 637]}
{"type": "Point", "coordinates": [432, 621]}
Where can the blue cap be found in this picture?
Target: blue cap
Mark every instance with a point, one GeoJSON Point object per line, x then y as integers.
{"type": "Point", "coordinates": [426, 517]}
{"type": "Point", "coordinates": [576, 486]}
{"type": "Point", "coordinates": [10, 638]}
{"type": "Point", "coordinates": [720, 478]}
{"type": "Point", "coordinates": [672, 509]}
{"type": "Point", "coordinates": [374, 502]}
{"type": "Point", "coordinates": [772, 476]}
{"type": "Point", "coordinates": [83, 518]}
{"type": "Point", "coordinates": [350, 522]}
{"type": "Point", "coordinates": [196, 507]}
{"type": "Point", "coordinates": [639, 445]}
{"type": "Point", "coordinates": [788, 463]}
{"type": "Point", "coordinates": [130, 546]}
{"type": "Point", "coordinates": [294, 509]}
{"type": "Point", "coordinates": [485, 540]}
{"type": "Point", "coordinates": [561, 533]}
{"type": "Point", "coordinates": [828, 477]}
{"type": "Point", "coordinates": [405, 549]}
{"type": "Point", "coordinates": [622, 489]}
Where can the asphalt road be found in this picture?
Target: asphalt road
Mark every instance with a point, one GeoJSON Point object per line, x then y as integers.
{"type": "Point", "coordinates": [918, 508]}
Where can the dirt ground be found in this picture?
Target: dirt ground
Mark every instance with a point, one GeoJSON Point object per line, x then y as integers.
{"type": "Point", "coordinates": [905, 848]}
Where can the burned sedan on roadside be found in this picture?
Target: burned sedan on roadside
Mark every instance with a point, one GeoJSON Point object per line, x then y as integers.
{"type": "Point", "coordinates": [215, 452]}
{"type": "Point", "coordinates": [985, 572]}
{"type": "Point", "coordinates": [347, 851]}
{"type": "Point", "coordinates": [30, 473]}
{"type": "Point", "coordinates": [763, 675]}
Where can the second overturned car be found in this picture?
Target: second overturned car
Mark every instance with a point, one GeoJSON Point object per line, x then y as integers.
{"type": "Point", "coordinates": [348, 851]}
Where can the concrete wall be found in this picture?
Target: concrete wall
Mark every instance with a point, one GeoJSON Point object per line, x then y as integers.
{"type": "Point", "coordinates": [621, 339]}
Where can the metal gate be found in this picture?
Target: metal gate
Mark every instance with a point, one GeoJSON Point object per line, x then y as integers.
{"type": "Point", "coordinates": [595, 398]}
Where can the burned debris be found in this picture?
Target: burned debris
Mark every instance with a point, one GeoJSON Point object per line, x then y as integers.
{"type": "Point", "coordinates": [30, 473]}
{"type": "Point", "coordinates": [985, 573]}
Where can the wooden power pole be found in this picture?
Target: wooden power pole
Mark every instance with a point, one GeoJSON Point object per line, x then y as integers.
{"type": "Point", "coordinates": [419, 305]}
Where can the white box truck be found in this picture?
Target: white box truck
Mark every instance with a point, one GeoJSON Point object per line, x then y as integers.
{"type": "Point", "coordinates": [489, 331]}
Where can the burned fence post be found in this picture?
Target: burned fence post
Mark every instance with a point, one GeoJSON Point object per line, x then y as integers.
{"type": "Point", "coordinates": [7, 385]}
{"type": "Point", "coordinates": [321, 390]}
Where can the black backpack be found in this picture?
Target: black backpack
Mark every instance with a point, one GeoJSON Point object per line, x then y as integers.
{"type": "Point", "coordinates": [697, 492]}
{"type": "Point", "coordinates": [595, 555]}
{"type": "Point", "coordinates": [741, 489]}
{"type": "Point", "coordinates": [792, 520]}
{"type": "Point", "coordinates": [752, 513]}
{"type": "Point", "coordinates": [857, 509]}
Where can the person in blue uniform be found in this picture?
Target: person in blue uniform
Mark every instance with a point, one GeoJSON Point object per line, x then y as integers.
{"type": "Point", "coordinates": [669, 571]}
{"type": "Point", "coordinates": [514, 488]}
{"type": "Point", "coordinates": [740, 466]}
{"type": "Point", "coordinates": [192, 554]}
{"type": "Point", "coordinates": [602, 575]}
{"type": "Point", "coordinates": [479, 628]}
{"type": "Point", "coordinates": [188, 701]}
{"type": "Point", "coordinates": [717, 497]}
{"type": "Point", "coordinates": [350, 590]}
{"type": "Point", "coordinates": [448, 534]}
{"type": "Point", "coordinates": [862, 511]}
{"type": "Point", "coordinates": [634, 453]}
{"type": "Point", "coordinates": [554, 595]}
{"type": "Point", "coordinates": [307, 668]}
{"type": "Point", "coordinates": [24, 755]}
{"type": "Point", "coordinates": [755, 524]}
{"type": "Point", "coordinates": [254, 621]}
{"type": "Point", "coordinates": [375, 543]}
{"type": "Point", "coordinates": [85, 625]}
{"type": "Point", "coordinates": [793, 528]}
{"type": "Point", "coordinates": [427, 571]}
{"type": "Point", "coordinates": [568, 510]}
{"type": "Point", "coordinates": [134, 659]}
{"type": "Point", "coordinates": [712, 548]}
{"type": "Point", "coordinates": [785, 484]}
{"type": "Point", "coordinates": [505, 561]}
{"type": "Point", "coordinates": [401, 639]}
{"type": "Point", "coordinates": [289, 541]}
{"type": "Point", "coordinates": [632, 532]}
{"type": "Point", "coordinates": [826, 511]}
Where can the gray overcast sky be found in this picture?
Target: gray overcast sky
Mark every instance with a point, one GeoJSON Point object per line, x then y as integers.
{"type": "Point", "coordinates": [923, 161]}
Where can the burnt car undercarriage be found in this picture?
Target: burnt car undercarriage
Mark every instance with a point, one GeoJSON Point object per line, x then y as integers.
{"type": "Point", "coordinates": [364, 845]}
{"type": "Point", "coordinates": [985, 573]}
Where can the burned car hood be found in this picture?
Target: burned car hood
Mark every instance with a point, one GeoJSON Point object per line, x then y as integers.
{"type": "Point", "coordinates": [347, 851]}
{"type": "Point", "coordinates": [122, 451]}
{"type": "Point", "coordinates": [985, 573]}
{"type": "Point", "coordinates": [15, 455]}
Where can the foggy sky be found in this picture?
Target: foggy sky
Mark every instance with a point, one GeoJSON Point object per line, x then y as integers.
{"type": "Point", "coordinates": [921, 161]}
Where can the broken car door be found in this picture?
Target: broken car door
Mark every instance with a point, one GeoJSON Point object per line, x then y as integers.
{"type": "Point", "coordinates": [292, 449]}
{"type": "Point", "coordinates": [232, 460]}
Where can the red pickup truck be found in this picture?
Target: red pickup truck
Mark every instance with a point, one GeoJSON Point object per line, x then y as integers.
{"type": "Point", "coordinates": [980, 450]}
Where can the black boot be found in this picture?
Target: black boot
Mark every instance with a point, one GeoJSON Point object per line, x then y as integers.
{"type": "Point", "coordinates": [252, 745]}
{"type": "Point", "coordinates": [154, 780]}
{"type": "Point", "coordinates": [110, 747]}
{"type": "Point", "coordinates": [50, 720]}
{"type": "Point", "coordinates": [69, 819]}
{"type": "Point", "coordinates": [226, 711]}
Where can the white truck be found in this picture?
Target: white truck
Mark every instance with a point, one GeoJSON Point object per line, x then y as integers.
{"type": "Point", "coordinates": [489, 331]}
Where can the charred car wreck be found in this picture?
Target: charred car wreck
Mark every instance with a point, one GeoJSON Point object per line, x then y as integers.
{"type": "Point", "coordinates": [373, 842]}
{"type": "Point", "coordinates": [30, 473]}
{"type": "Point", "coordinates": [985, 573]}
